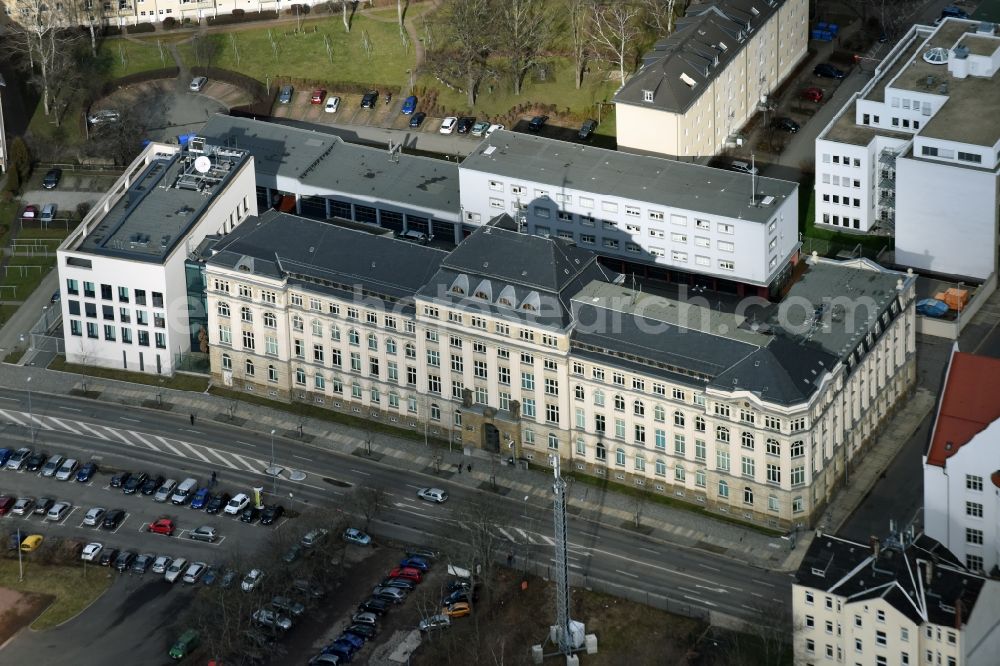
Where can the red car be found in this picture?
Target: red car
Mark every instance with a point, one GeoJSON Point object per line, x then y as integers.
{"type": "Point", "coordinates": [318, 96]}
{"type": "Point", "coordinates": [409, 573]}
{"type": "Point", "coordinates": [162, 526]}
{"type": "Point", "coordinates": [6, 504]}
{"type": "Point", "coordinates": [812, 94]}
{"type": "Point", "coordinates": [30, 212]}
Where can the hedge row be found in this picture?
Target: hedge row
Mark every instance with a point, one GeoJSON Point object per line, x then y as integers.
{"type": "Point", "coordinates": [242, 17]}
{"type": "Point", "coordinates": [341, 86]}
{"type": "Point", "coordinates": [140, 27]}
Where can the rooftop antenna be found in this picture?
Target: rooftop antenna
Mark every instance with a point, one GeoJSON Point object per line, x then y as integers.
{"type": "Point", "coordinates": [753, 179]}
{"type": "Point", "coordinates": [394, 150]}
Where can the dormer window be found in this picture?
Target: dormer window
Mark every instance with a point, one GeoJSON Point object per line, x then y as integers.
{"type": "Point", "coordinates": [504, 301]}
{"type": "Point", "coordinates": [457, 290]}
{"type": "Point", "coordinates": [482, 295]}
{"type": "Point", "coordinates": [460, 285]}
{"type": "Point", "coordinates": [647, 95]}
{"type": "Point", "coordinates": [528, 306]}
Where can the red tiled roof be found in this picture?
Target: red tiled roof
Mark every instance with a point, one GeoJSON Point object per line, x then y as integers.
{"type": "Point", "coordinates": [969, 404]}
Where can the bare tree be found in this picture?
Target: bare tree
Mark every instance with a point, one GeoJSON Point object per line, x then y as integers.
{"type": "Point", "coordinates": [638, 504]}
{"type": "Point", "coordinates": [471, 34]}
{"type": "Point", "coordinates": [524, 28]}
{"type": "Point", "coordinates": [613, 29]}
{"type": "Point", "coordinates": [578, 16]}
{"type": "Point", "coordinates": [343, 13]}
{"type": "Point", "coordinates": [369, 502]}
{"type": "Point", "coordinates": [658, 15]}
{"type": "Point", "coordinates": [401, 6]}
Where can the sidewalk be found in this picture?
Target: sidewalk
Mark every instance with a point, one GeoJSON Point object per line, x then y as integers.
{"type": "Point", "coordinates": [687, 529]}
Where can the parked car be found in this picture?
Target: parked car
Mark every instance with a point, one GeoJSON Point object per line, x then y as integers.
{"type": "Point", "coordinates": [326, 659]}
{"type": "Point", "coordinates": [479, 129]}
{"type": "Point", "coordinates": [434, 623]}
{"type": "Point", "coordinates": [285, 95]}
{"type": "Point", "coordinates": [332, 104]}
{"type": "Point", "coordinates": [48, 213]}
{"type": "Point", "coordinates": [58, 511]}
{"type": "Point", "coordinates": [200, 499]}
{"type": "Point", "coordinates": [364, 618]}
{"type": "Point", "coordinates": [22, 507]}
{"type": "Point", "coordinates": [118, 480]}
{"type": "Point", "coordinates": [457, 609]}
{"type": "Point", "coordinates": [183, 492]}
{"type": "Point", "coordinates": [252, 580]}
{"type": "Point", "coordinates": [134, 483]}
{"type": "Point", "coordinates": [152, 484]}
{"type": "Point", "coordinates": [293, 554]}
{"type": "Point", "coordinates": [165, 491]}
{"type": "Point", "coordinates": [86, 472]}
{"type": "Point", "coordinates": [308, 588]}
{"type": "Point", "coordinates": [448, 125]}
{"type": "Point", "coordinates": [94, 516]}
{"type": "Point", "coordinates": [113, 519]}
{"type": "Point", "coordinates": [812, 95]}
{"type": "Point", "coordinates": [271, 513]}
{"type": "Point", "coordinates": [417, 119]}
{"type": "Point", "coordinates": [161, 563]}
{"type": "Point", "coordinates": [416, 563]}
{"type": "Point", "coordinates": [52, 465]}
{"type": "Point", "coordinates": [108, 557]}
{"type": "Point", "coordinates": [124, 560]}
{"type": "Point", "coordinates": [433, 495]}
{"type": "Point", "coordinates": [228, 578]}
{"type": "Point", "coordinates": [743, 167]}
{"type": "Point", "coordinates": [142, 563]}
{"type": "Point", "coordinates": [422, 552]}
{"type": "Point", "coordinates": [318, 96]}
{"type": "Point", "coordinates": [237, 504]}
{"type": "Point", "coordinates": [91, 552]}
{"type": "Point", "coordinates": [18, 458]}
{"type": "Point", "coordinates": [7, 503]}
{"type": "Point", "coordinates": [104, 116]}
{"type": "Point", "coordinates": [369, 99]}
{"type": "Point", "coordinates": [785, 125]}
{"type": "Point", "coordinates": [197, 83]}
{"type": "Point", "coordinates": [314, 537]}
{"type": "Point", "coordinates": [211, 574]}
{"type": "Point", "coordinates": [187, 642]}
{"type": "Point", "coordinates": [401, 583]}
{"type": "Point", "coordinates": [269, 618]}
{"type": "Point", "coordinates": [31, 543]}
{"type": "Point", "coordinates": [354, 639]}
{"type": "Point", "coordinates": [30, 212]}
{"type": "Point", "coordinates": [204, 533]}
{"type": "Point", "coordinates": [35, 462]}
{"type": "Point", "coordinates": [249, 514]}
{"type": "Point", "coordinates": [217, 503]}
{"type": "Point", "coordinates": [286, 605]}
{"type": "Point", "coordinates": [536, 123]}
{"type": "Point", "coordinates": [52, 178]}
{"type": "Point", "coordinates": [493, 128]}
{"type": "Point", "coordinates": [162, 526]}
{"type": "Point", "coordinates": [827, 71]}
{"type": "Point", "coordinates": [393, 594]}
{"type": "Point", "coordinates": [194, 572]}
{"type": "Point", "coordinates": [356, 536]}
{"type": "Point", "coordinates": [408, 573]}
{"type": "Point", "coordinates": [409, 105]}
{"type": "Point", "coordinates": [175, 570]}
{"type": "Point", "coordinates": [43, 505]}
{"type": "Point", "coordinates": [587, 129]}
{"type": "Point", "coordinates": [465, 124]}
{"type": "Point", "coordinates": [374, 605]}
{"type": "Point", "coordinates": [460, 595]}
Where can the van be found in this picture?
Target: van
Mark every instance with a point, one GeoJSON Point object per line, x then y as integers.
{"type": "Point", "coordinates": [163, 494]}
{"type": "Point", "coordinates": [184, 645]}
{"type": "Point", "coordinates": [48, 213]}
{"type": "Point", "coordinates": [414, 235]}
{"type": "Point", "coordinates": [52, 465]}
{"type": "Point", "coordinates": [184, 491]}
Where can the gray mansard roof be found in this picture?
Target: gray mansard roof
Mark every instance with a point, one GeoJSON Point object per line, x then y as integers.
{"type": "Point", "coordinates": [680, 67]}
{"type": "Point", "coordinates": [327, 257]}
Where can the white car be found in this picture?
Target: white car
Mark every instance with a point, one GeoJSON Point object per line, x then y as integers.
{"type": "Point", "coordinates": [69, 465]}
{"type": "Point", "coordinates": [252, 580]}
{"type": "Point", "coordinates": [94, 516]}
{"type": "Point", "coordinates": [58, 511]}
{"type": "Point", "coordinates": [175, 570]}
{"type": "Point", "coordinates": [161, 564]}
{"type": "Point", "coordinates": [332, 104]}
{"type": "Point", "coordinates": [448, 125]}
{"type": "Point", "coordinates": [197, 83]}
{"type": "Point", "coordinates": [433, 494]}
{"type": "Point", "coordinates": [493, 128]}
{"type": "Point", "coordinates": [91, 552]}
{"type": "Point", "coordinates": [194, 572]}
{"type": "Point", "coordinates": [237, 504]}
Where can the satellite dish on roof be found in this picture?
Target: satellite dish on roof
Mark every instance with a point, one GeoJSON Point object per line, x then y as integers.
{"type": "Point", "coordinates": [202, 164]}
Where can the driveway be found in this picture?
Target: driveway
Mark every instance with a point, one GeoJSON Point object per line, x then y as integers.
{"type": "Point", "coordinates": [168, 109]}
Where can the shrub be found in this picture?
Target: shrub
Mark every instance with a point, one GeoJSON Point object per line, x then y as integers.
{"type": "Point", "coordinates": [140, 27]}
{"type": "Point", "coordinates": [225, 19]}
{"type": "Point", "coordinates": [169, 23]}
{"type": "Point", "coordinates": [239, 12]}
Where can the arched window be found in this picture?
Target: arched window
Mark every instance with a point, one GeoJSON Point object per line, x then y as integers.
{"type": "Point", "coordinates": [270, 321]}
{"type": "Point", "coordinates": [659, 413]}
{"type": "Point", "coordinates": [640, 463]}
{"type": "Point", "coordinates": [620, 456]}
{"type": "Point", "coordinates": [227, 362]}
{"type": "Point", "coordinates": [372, 342]}
{"type": "Point", "coordinates": [578, 392]}
{"type": "Point", "coordinates": [245, 314]}
{"type": "Point", "coordinates": [353, 337]}
{"type": "Point", "coordinates": [723, 488]}
{"type": "Point", "coordinates": [598, 398]}
{"type": "Point", "coordinates": [300, 376]}
{"type": "Point", "coordinates": [638, 408]}
{"type": "Point", "coordinates": [600, 453]}
{"type": "Point", "coordinates": [272, 373]}
{"type": "Point", "coordinates": [334, 333]}
{"type": "Point", "coordinates": [747, 440]}
{"type": "Point", "coordinates": [619, 403]}
{"type": "Point", "coordinates": [248, 368]}
{"type": "Point", "coordinates": [748, 495]}
{"type": "Point", "coordinates": [679, 419]}
{"type": "Point", "coordinates": [411, 351]}
{"type": "Point", "coordinates": [297, 324]}
{"type": "Point", "coordinates": [320, 382]}
{"type": "Point", "coordinates": [661, 467]}
{"type": "Point", "coordinates": [679, 473]}
{"type": "Point", "coordinates": [722, 433]}
{"type": "Point", "coordinates": [317, 327]}
{"type": "Point", "coordinates": [223, 309]}
{"type": "Point", "coordinates": [390, 346]}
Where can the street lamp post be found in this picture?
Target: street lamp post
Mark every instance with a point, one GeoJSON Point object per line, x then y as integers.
{"type": "Point", "coordinates": [274, 471]}
{"type": "Point", "coordinates": [31, 418]}
{"type": "Point", "coordinates": [4, 160]}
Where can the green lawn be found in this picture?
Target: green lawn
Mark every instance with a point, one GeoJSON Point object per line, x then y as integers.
{"type": "Point", "coordinates": [304, 55]}
{"type": "Point", "coordinates": [74, 587]}
{"type": "Point", "coordinates": [27, 279]}
{"type": "Point", "coordinates": [826, 241]}
{"type": "Point", "coordinates": [124, 57]}
{"type": "Point", "coordinates": [179, 382]}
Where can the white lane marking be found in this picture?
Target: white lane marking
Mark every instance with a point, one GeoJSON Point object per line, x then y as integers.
{"type": "Point", "coordinates": [570, 564]}
{"type": "Point", "coordinates": [757, 595]}
{"type": "Point", "coordinates": [225, 461]}
{"type": "Point", "coordinates": [660, 568]}
{"type": "Point", "coordinates": [625, 573]}
{"type": "Point", "coordinates": [11, 417]}
{"type": "Point", "coordinates": [755, 610]}
{"type": "Point", "coordinates": [708, 567]}
{"type": "Point", "coordinates": [423, 515]}
{"type": "Point", "coordinates": [10, 399]}
{"type": "Point", "coordinates": [524, 535]}
{"type": "Point", "coordinates": [64, 425]}
{"type": "Point", "coordinates": [760, 582]}
{"type": "Point", "coordinates": [410, 485]}
{"type": "Point", "coordinates": [125, 418]}
{"type": "Point", "coordinates": [302, 457]}
{"type": "Point", "coordinates": [252, 468]}
{"type": "Point", "coordinates": [649, 550]}
{"type": "Point", "coordinates": [246, 443]}
{"type": "Point", "coordinates": [549, 540]}
{"type": "Point", "coordinates": [70, 409]}
{"type": "Point", "coordinates": [699, 600]}
{"type": "Point", "coordinates": [506, 534]}
{"type": "Point", "coordinates": [41, 424]}
{"type": "Point", "coordinates": [119, 435]}
{"type": "Point", "coordinates": [144, 440]}
{"type": "Point", "coordinates": [777, 601]}
{"type": "Point", "coordinates": [87, 427]}
{"type": "Point", "coordinates": [358, 471]}
{"type": "Point", "coordinates": [193, 450]}
{"type": "Point", "coordinates": [197, 432]}
{"type": "Point", "coordinates": [170, 446]}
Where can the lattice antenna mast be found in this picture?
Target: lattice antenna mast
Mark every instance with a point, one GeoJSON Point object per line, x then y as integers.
{"type": "Point", "coordinates": [561, 536]}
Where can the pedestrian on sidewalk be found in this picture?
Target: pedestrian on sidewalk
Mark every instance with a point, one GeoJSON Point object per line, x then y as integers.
{"type": "Point", "coordinates": [459, 468]}
{"type": "Point", "coordinates": [192, 419]}
{"type": "Point", "coordinates": [469, 468]}
{"type": "Point", "coordinates": [213, 479]}
{"type": "Point", "coordinates": [510, 559]}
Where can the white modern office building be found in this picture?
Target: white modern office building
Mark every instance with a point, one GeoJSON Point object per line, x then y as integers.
{"type": "Point", "coordinates": [525, 345]}
{"type": "Point", "coordinates": [698, 86]}
{"type": "Point", "coordinates": [915, 153]}
{"type": "Point", "coordinates": [898, 601]}
{"type": "Point", "coordinates": [962, 463]}
{"type": "Point", "coordinates": [695, 224]}
{"type": "Point", "coordinates": [125, 298]}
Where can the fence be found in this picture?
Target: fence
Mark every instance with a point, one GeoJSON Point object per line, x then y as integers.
{"type": "Point", "coordinates": [40, 339]}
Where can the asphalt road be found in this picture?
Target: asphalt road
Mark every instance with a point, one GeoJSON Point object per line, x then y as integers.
{"type": "Point", "coordinates": [617, 557]}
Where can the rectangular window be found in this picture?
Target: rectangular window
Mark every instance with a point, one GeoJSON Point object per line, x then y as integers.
{"type": "Point", "coordinates": [973, 482]}
{"type": "Point", "coordinates": [974, 509]}
{"type": "Point", "coordinates": [973, 536]}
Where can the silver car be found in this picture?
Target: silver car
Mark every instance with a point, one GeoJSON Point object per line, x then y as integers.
{"type": "Point", "coordinates": [19, 457]}
{"type": "Point", "coordinates": [197, 83]}
{"type": "Point", "coordinates": [67, 469]}
{"type": "Point", "coordinates": [194, 572]}
{"type": "Point", "coordinates": [270, 618]}
{"type": "Point", "coordinates": [161, 564]}
{"type": "Point", "coordinates": [22, 506]}
{"type": "Point", "coordinates": [94, 516]}
{"type": "Point", "coordinates": [58, 511]}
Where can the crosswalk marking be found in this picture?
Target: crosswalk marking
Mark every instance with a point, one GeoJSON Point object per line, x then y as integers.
{"type": "Point", "coordinates": [224, 460]}
{"type": "Point", "coordinates": [41, 424]}
{"type": "Point", "coordinates": [119, 435]}
{"type": "Point", "coordinates": [194, 450]}
{"type": "Point", "coordinates": [170, 446]}
{"type": "Point", "coordinates": [8, 415]}
{"type": "Point", "coordinates": [66, 426]}
{"type": "Point", "coordinates": [87, 427]}
{"type": "Point", "coordinates": [506, 534]}
{"type": "Point", "coordinates": [252, 468]}
{"type": "Point", "coordinates": [144, 440]}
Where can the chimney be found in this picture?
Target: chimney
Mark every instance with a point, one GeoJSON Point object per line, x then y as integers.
{"type": "Point", "coordinates": [958, 613]}
{"type": "Point", "coordinates": [873, 541]}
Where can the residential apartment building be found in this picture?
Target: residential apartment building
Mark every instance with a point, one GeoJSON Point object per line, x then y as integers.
{"type": "Point", "coordinates": [525, 346]}
{"type": "Point", "coordinates": [129, 12]}
{"type": "Point", "coordinates": [918, 147]}
{"type": "Point", "coordinates": [735, 232]}
{"type": "Point", "coordinates": [698, 86]}
{"type": "Point", "coordinates": [122, 273]}
{"type": "Point", "coordinates": [962, 463]}
{"type": "Point", "coordinates": [904, 600]}
{"type": "Point", "coordinates": [329, 177]}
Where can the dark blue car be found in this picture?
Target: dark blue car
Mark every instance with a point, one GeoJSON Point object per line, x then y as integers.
{"type": "Point", "coordinates": [345, 652]}
{"type": "Point", "coordinates": [200, 498]}
{"type": "Point", "coordinates": [5, 456]}
{"type": "Point", "coordinates": [357, 641]}
{"type": "Point", "coordinates": [416, 563]}
{"type": "Point", "coordinates": [409, 105]}
{"type": "Point", "coordinates": [86, 473]}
